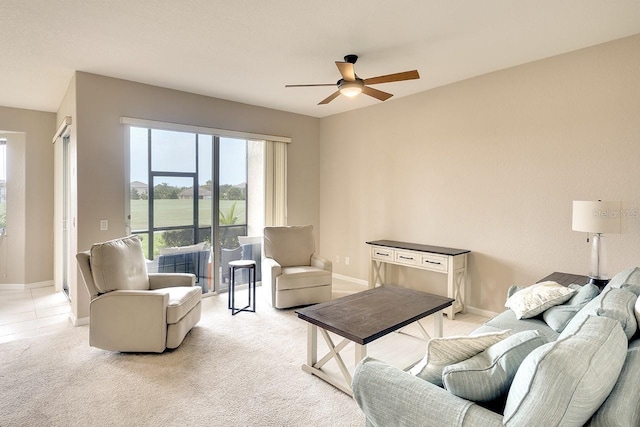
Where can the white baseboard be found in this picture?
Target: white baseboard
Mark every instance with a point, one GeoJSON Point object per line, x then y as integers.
{"type": "Point", "coordinates": [78, 322]}
{"type": "Point", "coordinates": [481, 312]}
{"type": "Point", "coordinates": [25, 286]}
{"type": "Point", "coordinates": [351, 279]}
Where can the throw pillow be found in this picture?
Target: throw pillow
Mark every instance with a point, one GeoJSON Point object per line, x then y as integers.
{"type": "Point", "coordinates": [558, 317]}
{"type": "Point", "coordinates": [563, 383]}
{"type": "Point", "coordinates": [614, 303]}
{"type": "Point", "coordinates": [445, 351]}
{"type": "Point", "coordinates": [628, 279]}
{"type": "Point", "coordinates": [488, 375]}
{"type": "Point", "coordinates": [533, 300]}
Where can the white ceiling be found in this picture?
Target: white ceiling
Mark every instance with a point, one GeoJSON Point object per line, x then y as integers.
{"type": "Point", "coordinates": [247, 50]}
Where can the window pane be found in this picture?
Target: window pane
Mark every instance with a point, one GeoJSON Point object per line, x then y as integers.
{"type": "Point", "coordinates": [172, 201]}
{"type": "Point", "coordinates": [205, 204]}
{"type": "Point", "coordinates": [173, 151]}
{"type": "Point", "coordinates": [233, 181]}
{"type": "Point", "coordinates": [139, 177]}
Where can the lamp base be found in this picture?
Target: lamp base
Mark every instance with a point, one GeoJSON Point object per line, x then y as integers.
{"type": "Point", "coordinates": [600, 283]}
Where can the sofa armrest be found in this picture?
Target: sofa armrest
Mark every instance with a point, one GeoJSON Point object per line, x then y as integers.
{"type": "Point", "coordinates": [320, 262]}
{"type": "Point", "coordinates": [129, 321]}
{"type": "Point", "coordinates": [167, 280]}
{"type": "Point", "coordinates": [390, 396]}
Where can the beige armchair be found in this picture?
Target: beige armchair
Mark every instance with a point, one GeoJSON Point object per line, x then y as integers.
{"type": "Point", "coordinates": [130, 310]}
{"type": "Point", "coordinates": [292, 275]}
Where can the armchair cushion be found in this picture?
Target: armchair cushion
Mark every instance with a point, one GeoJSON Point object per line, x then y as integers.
{"type": "Point", "coordinates": [181, 300]}
{"type": "Point", "coordinates": [119, 265]}
{"type": "Point", "coordinates": [289, 246]}
{"type": "Point", "coordinates": [302, 277]}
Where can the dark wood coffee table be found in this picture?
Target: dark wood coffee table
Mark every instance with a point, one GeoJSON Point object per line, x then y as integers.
{"type": "Point", "coordinates": [362, 318]}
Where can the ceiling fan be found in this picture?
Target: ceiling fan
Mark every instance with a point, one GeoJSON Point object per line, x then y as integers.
{"type": "Point", "coordinates": [351, 85]}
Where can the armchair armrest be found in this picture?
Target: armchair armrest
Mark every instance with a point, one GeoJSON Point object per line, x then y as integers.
{"type": "Point", "coordinates": [270, 271]}
{"type": "Point", "coordinates": [166, 280]}
{"type": "Point", "coordinates": [129, 321]}
{"type": "Point", "coordinates": [390, 396]}
{"type": "Point", "coordinates": [320, 262]}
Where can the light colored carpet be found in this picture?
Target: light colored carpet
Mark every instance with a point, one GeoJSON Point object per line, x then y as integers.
{"type": "Point", "coordinates": [241, 370]}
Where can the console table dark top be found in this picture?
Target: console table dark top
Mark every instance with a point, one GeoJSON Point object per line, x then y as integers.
{"type": "Point", "coordinates": [366, 316]}
{"type": "Point", "coordinates": [420, 248]}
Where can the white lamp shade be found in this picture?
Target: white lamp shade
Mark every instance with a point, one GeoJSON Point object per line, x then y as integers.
{"type": "Point", "coordinates": [596, 217]}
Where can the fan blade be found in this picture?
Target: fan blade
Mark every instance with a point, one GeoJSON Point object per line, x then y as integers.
{"type": "Point", "coordinates": [321, 84]}
{"type": "Point", "coordinates": [346, 70]}
{"type": "Point", "coordinates": [382, 96]}
{"type": "Point", "coordinates": [396, 77]}
{"type": "Point", "coordinates": [329, 98]}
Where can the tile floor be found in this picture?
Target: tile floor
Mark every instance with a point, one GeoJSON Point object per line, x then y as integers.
{"type": "Point", "coordinates": [26, 313]}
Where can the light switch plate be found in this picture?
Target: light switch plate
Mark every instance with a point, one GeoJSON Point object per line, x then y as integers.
{"type": "Point", "coordinates": [104, 225]}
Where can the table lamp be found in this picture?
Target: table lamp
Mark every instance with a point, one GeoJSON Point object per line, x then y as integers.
{"type": "Point", "coordinates": [597, 218]}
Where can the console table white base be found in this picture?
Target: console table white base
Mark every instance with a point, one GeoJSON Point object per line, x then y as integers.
{"type": "Point", "coordinates": [449, 261]}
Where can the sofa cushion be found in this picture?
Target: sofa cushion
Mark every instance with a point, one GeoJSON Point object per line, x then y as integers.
{"type": "Point", "coordinates": [628, 279]}
{"type": "Point", "coordinates": [181, 300]}
{"type": "Point", "coordinates": [119, 265]}
{"type": "Point", "coordinates": [488, 375]}
{"type": "Point", "coordinates": [566, 381]}
{"type": "Point", "coordinates": [507, 320]}
{"type": "Point", "coordinates": [615, 303]}
{"type": "Point", "coordinates": [622, 407]}
{"type": "Point", "coordinates": [446, 351]}
{"type": "Point", "coordinates": [558, 317]}
{"type": "Point", "coordinates": [289, 246]}
{"type": "Point", "coordinates": [533, 300]}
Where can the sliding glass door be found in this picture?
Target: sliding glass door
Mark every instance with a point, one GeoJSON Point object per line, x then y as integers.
{"type": "Point", "coordinates": [194, 214]}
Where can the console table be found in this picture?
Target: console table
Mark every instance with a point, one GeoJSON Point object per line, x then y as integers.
{"type": "Point", "coordinates": [449, 261]}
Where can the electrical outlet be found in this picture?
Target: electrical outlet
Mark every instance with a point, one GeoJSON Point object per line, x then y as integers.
{"type": "Point", "coordinates": [104, 225]}
{"type": "Point", "coordinates": [337, 259]}
{"type": "Point", "coordinates": [346, 260]}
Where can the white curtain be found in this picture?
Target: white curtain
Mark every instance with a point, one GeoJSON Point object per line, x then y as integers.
{"type": "Point", "coordinates": [275, 205]}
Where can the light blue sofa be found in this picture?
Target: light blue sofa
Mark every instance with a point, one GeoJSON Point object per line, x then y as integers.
{"type": "Point", "coordinates": [586, 375]}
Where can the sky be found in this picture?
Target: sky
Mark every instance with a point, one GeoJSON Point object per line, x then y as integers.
{"type": "Point", "coordinates": [175, 152]}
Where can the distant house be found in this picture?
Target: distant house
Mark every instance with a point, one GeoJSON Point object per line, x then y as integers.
{"type": "Point", "coordinates": [140, 187]}
{"type": "Point", "coordinates": [204, 193]}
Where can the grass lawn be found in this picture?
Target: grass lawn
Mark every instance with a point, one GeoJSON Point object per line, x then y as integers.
{"type": "Point", "coordinates": [177, 212]}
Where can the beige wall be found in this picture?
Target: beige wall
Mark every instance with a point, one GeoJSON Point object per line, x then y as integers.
{"type": "Point", "coordinates": [490, 164]}
{"type": "Point", "coordinates": [101, 101]}
{"type": "Point", "coordinates": [26, 255]}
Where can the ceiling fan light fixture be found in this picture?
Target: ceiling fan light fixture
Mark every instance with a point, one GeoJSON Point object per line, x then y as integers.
{"type": "Point", "coordinates": [351, 89]}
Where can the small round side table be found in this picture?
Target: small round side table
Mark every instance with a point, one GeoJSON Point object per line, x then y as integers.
{"type": "Point", "coordinates": [238, 265]}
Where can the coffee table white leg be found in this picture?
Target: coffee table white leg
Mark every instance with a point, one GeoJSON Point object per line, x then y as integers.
{"type": "Point", "coordinates": [361, 352]}
{"type": "Point", "coordinates": [312, 344]}
{"type": "Point", "coordinates": [437, 324]}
